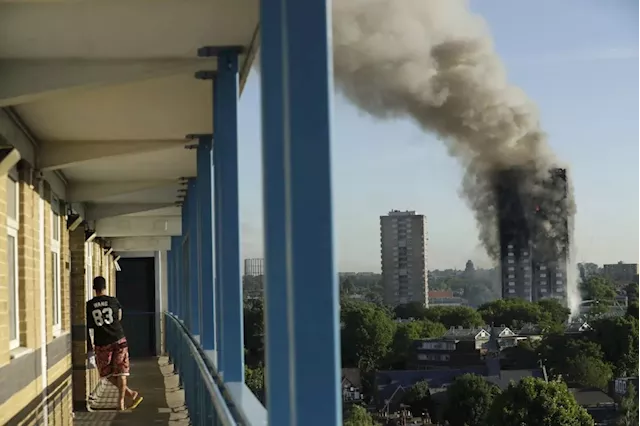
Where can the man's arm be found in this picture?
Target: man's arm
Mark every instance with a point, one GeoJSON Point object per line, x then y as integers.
{"type": "Point", "coordinates": [119, 306]}
{"type": "Point", "coordinates": [89, 326]}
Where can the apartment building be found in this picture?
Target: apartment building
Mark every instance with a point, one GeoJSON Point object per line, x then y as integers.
{"type": "Point", "coordinates": [621, 272]}
{"type": "Point", "coordinates": [254, 267]}
{"type": "Point", "coordinates": [531, 270]}
{"type": "Point", "coordinates": [403, 242]}
{"type": "Point", "coordinates": [47, 262]}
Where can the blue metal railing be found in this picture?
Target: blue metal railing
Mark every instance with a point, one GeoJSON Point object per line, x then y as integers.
{"type": "Point", "coordinates": [203, 396]}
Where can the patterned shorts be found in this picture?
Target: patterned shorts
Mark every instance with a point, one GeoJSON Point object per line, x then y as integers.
{"type": "Point", "coordinates": [113, 359]}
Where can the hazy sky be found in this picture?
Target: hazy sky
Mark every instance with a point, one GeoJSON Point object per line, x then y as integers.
{"type": "Point", "coordinates": [578, 59]}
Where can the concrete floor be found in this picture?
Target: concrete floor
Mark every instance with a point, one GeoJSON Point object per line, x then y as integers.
{"type": "Point", "coordinates": [163, 402]}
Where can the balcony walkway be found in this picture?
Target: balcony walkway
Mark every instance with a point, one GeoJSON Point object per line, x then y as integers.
{"type": "Point", "coordinates": [128, 110]}
{"type": "Point", "coordinates": [163, 402]}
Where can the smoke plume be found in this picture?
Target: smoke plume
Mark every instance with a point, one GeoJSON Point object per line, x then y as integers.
{"type": "Point", "coordinates": [433, 61]}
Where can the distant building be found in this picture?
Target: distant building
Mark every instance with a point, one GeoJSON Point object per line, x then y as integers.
{"type": "Point", "coordinates": [445, 298]}
{"type": "Point", "coordinates": [403, 240]}
{"type": "Point", "coordinates": [621, 272]}
{"type": "Point", "coordinates": [253, 267]}
{"type": "Point", "coordinates": [534, 265]}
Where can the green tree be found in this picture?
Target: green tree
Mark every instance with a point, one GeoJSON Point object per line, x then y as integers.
{"type": "Point", "coordinates": [522, 356]}
{"type": "Point", "coordinates": [367, 333]}
{"type": "Point", "coordinates": [402, 349]}
{"type": "Point", "coordinates": [358, 416]}
{"type": "Point", "coordinates": [254, 379]}
{"type": "Point", "coordinates": [254, 332]}
{"type": "Point", "coordinates": [418, 398]}
{"type": "Point", "coordinates": [632, 309]}
{"type": "Point", "coordinates": [598, 288]}
{"type": "Point", "coordinates": [469, 399]}
{"type": "Point", "coordinates": [513, 313]}
{"type": "Point", "coordinates": [578, 361]}
{"type": "Point", "coordinates": [535, 402]}
{"type": "Point", "coordinates": [557, 311]}
{"type": "Point", "coordinates": [618, 338]}
{"type": "Point", "coordinates": [415, 310]}
{"type": "Point", "coordinates": [454, 316]}
{"type": "Point", "coordinates": [628, 408]}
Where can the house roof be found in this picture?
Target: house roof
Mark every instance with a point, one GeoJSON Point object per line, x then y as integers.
{"type": "Point", "coordinates": [465, 333]}
{"type": "Point", "coordinates": [387, 382]}
{"type": "Point", "coordinates": [505, 377]}
{"type": "Point", "coordinates": [590, 397]}
{"type": "Point", "coordinates": [577, 327]}
{"type": "Point", "coordinates": [530, 330]}
{"type": "Point", "coordinates": [352, 375]}
{"type": "Point", "coordinates": [440, 294]}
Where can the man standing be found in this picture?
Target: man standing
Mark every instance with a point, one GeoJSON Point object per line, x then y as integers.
{"type": "Point", "coordinates": [104, 314]}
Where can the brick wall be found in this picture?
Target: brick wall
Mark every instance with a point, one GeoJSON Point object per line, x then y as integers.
{"type": "Point", "coordinates": [4, 287]}
{"type": "Point", "coordinates": [20, 369]}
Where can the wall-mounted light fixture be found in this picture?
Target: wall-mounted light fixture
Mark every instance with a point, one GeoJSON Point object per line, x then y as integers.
{"type": "Point", "coordinates": [9, 157]}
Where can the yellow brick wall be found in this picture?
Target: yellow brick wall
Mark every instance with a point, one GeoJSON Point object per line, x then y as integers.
{"type": "Point", "coordinates": [59, 400]}
{"type": "Point", "coordinates": [4, 288]}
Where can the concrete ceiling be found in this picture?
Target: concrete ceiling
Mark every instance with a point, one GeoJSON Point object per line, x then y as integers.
{"type": "Point", "coordinates": [106, 89]}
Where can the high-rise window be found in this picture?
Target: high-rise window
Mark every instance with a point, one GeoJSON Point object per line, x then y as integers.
{"type": "Point", "coordinates": [13, 225]}
{"type": "Point", "coordinates": [55, 265]}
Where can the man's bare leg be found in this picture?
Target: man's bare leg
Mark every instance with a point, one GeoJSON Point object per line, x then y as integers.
{"type": "Point", "coordinates": [122, 390]}
{"type": "Point", "coordinates": [128, 391]}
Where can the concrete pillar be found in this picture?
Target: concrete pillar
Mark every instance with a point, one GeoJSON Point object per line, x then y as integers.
{"type": "Point", "coordinates": [79, 320]}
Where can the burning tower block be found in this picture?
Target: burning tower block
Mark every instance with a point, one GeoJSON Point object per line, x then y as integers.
{"type": "Point", "coordinates": [534, 233]}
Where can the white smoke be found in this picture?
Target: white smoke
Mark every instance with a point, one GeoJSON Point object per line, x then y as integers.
{"type": "Point", "coordinates": [433, 61]}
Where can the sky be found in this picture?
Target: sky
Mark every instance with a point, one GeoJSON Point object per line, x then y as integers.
{"type": "Point", "coordinates": [577, 59]}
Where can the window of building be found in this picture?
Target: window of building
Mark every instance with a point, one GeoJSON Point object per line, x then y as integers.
{"type": "Point", "coordinates": [558, 282]}
{"type": "Point", "coordinates": [510, 268]}
{"type": "Point", "coordinates": [511, 276]}
{"type": "Point", "coordinates": [510, 246]}
{"type": "Point", "coordinates": [543, 290]}
{"type": "Point", "coordinates": [558, 274]}
{"type": "Point", "coordinates": [510, 261]}
{"type": "Point", "coordinates": [55, 265]}
{"type": "Point", "coordinates": [543, 275]}
{"type": "Point", "coordinates": [510, 254]}
{"type": "Point", "coordinates": [512, 290]}
{"type": "Point", "coordinates": [512, 283]}
{"type": "Point", "coordinates": [543, 268]}
{"type": "Point", "coordinates": [13, 225]}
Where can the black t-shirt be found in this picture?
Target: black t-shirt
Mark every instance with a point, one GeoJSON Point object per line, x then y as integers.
{"type": "Point", "coordinates": [103, 316]}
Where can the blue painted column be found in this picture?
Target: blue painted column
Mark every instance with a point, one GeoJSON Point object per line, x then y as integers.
{"type": "Point", "coordinates": [184, 271]}
{"type": "Point", "coordinates": [276, 337]}
{"type": "Point", "coordinates": [227, 232]}
{"type": "Point", "coordinates": [194, 273]}
{"type": "Point", "coordinates": [205, 239]}
{"type": "Point", "coordinates": [170, 282]}
{"type": "Point", "coordinates": [312, 298]}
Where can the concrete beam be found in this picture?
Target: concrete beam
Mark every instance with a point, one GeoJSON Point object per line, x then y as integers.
{"type": "Point", "coordinates": [141, 244]}
{"type": "Point", "coordinates": [13, 132]}
{"type": "Point", "coordinates": [90, 191]}
{"type": "Point", "coordinates": [97, 211]}
{"type": "Point", "coordinates": [28, 80]}
{"type": "Point", "coordinates": [139, 226]}
{"type": "Point", "coordinates": [55, 155]}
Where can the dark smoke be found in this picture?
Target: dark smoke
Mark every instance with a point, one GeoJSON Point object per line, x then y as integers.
{"type": "Point", "coordinates": [434, 61]}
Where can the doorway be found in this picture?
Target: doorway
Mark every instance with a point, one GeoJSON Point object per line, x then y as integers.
{"type": "Point", "coordinates": [136, 291]}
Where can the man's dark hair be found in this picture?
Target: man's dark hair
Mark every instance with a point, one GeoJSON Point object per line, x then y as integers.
{"type": "Point", "coordinates": [99, 284]}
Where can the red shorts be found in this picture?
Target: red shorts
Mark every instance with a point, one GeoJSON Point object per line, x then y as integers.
{"type": "Point", "coordinates": [113, 359]}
